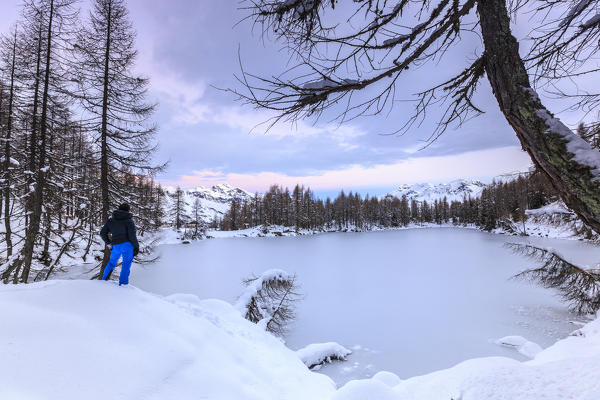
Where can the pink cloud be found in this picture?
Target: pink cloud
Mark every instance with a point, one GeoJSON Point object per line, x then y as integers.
{"type": "Point", "coordinates": [475, 164]}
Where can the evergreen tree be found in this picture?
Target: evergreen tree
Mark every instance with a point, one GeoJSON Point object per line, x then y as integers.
{"type": "Point", "coordinates": [178, 210]}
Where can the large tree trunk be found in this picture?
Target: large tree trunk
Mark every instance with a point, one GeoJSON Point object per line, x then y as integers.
{"type": "Point", "coordinates": [524, 112]}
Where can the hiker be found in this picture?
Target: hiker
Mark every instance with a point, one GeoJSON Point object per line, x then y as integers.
{"type": "Point", "coordinates": [123, 240]}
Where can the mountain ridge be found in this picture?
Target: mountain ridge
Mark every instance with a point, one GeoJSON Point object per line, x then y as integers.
{"type": "Point", "coordinates": [455, 190]}
{"type": "Point", "coordinates": [215, 201]}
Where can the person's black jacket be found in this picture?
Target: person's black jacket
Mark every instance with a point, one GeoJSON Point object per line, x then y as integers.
{"type": "Point", "coordinates": [122, 229]}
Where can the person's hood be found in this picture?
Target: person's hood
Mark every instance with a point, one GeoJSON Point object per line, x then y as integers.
{"type": "Point", "coordinates": [120, 214]}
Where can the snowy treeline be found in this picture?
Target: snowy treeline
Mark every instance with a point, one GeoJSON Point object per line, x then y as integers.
{"type": "Point", "coordinates": [302, 210]}
{"type": "Point", "coordinates": [75, 135]}
{"type": "Point", "coordinates": [200, 206]}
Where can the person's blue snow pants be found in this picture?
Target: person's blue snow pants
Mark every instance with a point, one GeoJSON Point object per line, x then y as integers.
{"type": "Point", "coordinates": [118, 250]}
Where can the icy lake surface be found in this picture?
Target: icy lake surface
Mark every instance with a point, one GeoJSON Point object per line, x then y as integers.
{"type": "Point", "coordinates": [407, 301]}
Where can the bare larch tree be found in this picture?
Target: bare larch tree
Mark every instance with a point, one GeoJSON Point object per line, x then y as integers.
{"type": "Point", "coordinates": [52, 19]}
{"type": "Point", "coordinates": [114, 98]}
{"type": "Point", "coordinates": [9, 55]}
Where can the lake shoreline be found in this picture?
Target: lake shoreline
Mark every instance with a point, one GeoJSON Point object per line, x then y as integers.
{"type": "Point", "coordinates": [169, 236]}
{"type": "Point", "coordinates": [333, 263]}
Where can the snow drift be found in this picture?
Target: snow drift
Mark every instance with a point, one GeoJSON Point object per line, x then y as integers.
{"type": "Point", "coordinates": [93, 340]}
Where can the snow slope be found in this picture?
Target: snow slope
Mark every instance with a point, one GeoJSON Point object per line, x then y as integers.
{"type": "Point", "coordinates": [73, 340]}
{"type": "Point", "coordinates": [94, 340]}
{"type": "Point", "coordinates": [553, 220]}
{"type": "Point", "coordinates": [215, 201]}
{"type": "Point", "coordinates": [453, 191]}
{"type": "Point", "coordinates": [566, 370]}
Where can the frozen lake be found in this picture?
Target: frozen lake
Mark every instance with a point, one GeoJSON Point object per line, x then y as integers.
{"type": "Point", "coordinates": [407, 301]}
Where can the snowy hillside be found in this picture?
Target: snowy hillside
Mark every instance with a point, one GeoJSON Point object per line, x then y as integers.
{"type": "Point", "coordinates": [453, 191]}
{"type": "Point", "coordinates": [123, 343]}
{"type": "Point", "coordinates": [180, 347]}
{"type": "Point", "coordinates": [215, 201]}
{"type": "Point", "coordinates": [553, 220]}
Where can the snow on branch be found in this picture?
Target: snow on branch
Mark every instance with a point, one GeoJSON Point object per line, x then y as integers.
{"type": "Point", "coordinates": [327, 83]}
{"type": "Point", "coordinates": [395, 40]}
{"type": "Point", "coordinates": [580, 287]}
{"type": "Point", "coordinates": [12, 162]}
{"type": "Point", "coordinates": [591, 22]}
{"type": "Point", "coordinates": [300, 7]}
{"type": "Point", "coordinates": [317, 354]}
{"type": "Point", "coordinates": [574, 11]}
{"type": "Point", "coordinates": [269, 300]}
{"type": "Point", "coordinates": [582, 151]}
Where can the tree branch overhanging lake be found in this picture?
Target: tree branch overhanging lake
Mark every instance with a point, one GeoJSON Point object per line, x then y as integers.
{"type": "Point", "coordinates": [386, 38]}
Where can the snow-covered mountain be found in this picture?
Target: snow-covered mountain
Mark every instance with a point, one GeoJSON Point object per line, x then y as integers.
{"type": "Point", "coordinates": [453, 191]}
{"type": "Point", "coordinates": [215, 201]}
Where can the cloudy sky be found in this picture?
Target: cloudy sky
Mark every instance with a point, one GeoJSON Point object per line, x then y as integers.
{"type": "Point", "coordinates": [189, 47]}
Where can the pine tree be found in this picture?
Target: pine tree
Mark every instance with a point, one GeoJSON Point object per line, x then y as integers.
{"type": "Point", "coordinates": [178, 210]}
{"type": "Point", "coordinates": [197, 215]}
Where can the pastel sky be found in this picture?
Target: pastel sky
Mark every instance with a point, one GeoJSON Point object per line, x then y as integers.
{"type": "Point", "coordinates": [189, 47]}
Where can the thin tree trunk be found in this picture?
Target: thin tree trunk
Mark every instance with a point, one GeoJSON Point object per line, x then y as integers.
{"type": "Point", "coordinates": [47, 232]}
{"type": "Point", "coordinates": [33, 142]}
{"type": "Point", "coordinates": [89, 243]}
{"type": "Point", "coordinates": [508, 77]}
{"type": "Point", "coordinates": [7, 150]}
{"type": "Point", "coordinates": [4, 162]}
{"type": "Point", "coordinates": [34, 223]}
{"type": "Point", "coordinates": [62, 251]}
{"type": "Point", "coordinates": [104, 133]}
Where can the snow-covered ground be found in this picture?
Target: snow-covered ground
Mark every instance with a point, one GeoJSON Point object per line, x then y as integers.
{"type": "Point", "coordinates": [260, 231]}
{"type": "Point", "coordinates": [553, 220]}
{"type": "Point", "coordinates": [94, 340]}
{"type": "Point", "coordinates": [73, 340]}
{"type": "Point", "coordinates": [566, 370]}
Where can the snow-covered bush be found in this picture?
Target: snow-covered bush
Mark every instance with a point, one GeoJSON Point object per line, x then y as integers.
{"type": "Point", "coordinates": [269, 300]}
{"type": "Point", "coordinates": [317, 354]}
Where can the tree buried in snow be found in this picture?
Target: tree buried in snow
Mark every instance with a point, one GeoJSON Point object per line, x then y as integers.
{"type": "Point", "coordinates": [316, 354]}
{"type": "Point", "coordinates": [580, 287]}
{"type": "Point", "coordinates": [382, 39]}
{"type": "Point", "coordinates": [269, 300]}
